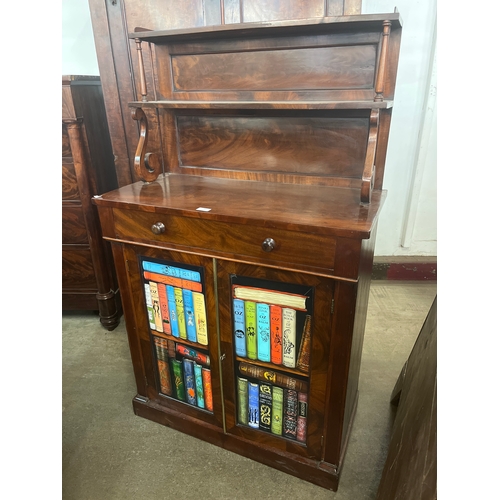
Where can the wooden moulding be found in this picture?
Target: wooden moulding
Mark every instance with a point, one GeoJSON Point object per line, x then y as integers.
{"type": "Point", "coordinates": [368, 178]}
{"type": "Point", "coordinates": [147, 165]}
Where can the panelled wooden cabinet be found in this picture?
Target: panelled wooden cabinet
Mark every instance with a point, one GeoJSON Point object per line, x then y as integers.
{"type": "Point", "coordinates": [88, 276]}
{"type": "Point", "coordinates": [244, 254]}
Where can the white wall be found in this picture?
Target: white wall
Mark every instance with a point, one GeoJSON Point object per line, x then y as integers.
{"type": "Point", "coordinates": [408, 220]}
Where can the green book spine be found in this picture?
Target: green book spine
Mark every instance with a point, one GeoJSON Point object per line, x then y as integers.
{"type": "Point", "coordinates": [243, 401]}
{"type": "Point", "coordinates": [277, 411]}
{"type": "Point", "coordinates": [200, 400]}
{"type": "Point", "coordinates": [178, 379]}
{"type": "Point", "coordinates": [179, 305]}
{"type": "Point", "coordinates": [251, 329]}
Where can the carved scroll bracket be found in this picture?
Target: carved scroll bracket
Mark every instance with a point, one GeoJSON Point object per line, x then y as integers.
{"type": "Point", "coordinates": [147, 166]}
{"type": "Point", "coordinates": [368, 178]}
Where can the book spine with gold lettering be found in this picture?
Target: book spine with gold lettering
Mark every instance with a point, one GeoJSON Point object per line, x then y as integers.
{"type": "Point", "coordinates": [263, 334]}
{"type": "Point", "coordinates": [290, 414]}
{"type": "Point", "coordinates": [265, 407]}
{"type": "Point", "coordinates": [253, 405]}
{"type": "Point", "coordinates": [187, 299]}
{"type": "Point", "coordinates": [251, 329]}
{"type": "Point", "coordinates": [189, 381]}
{"type": "Point", "coordinates": [198, 379]}
{"type": "Point", "coordinates": [243, 401]}
{"type": "Point", "coordinates": [289, 337]}
{"type": "Point", "coordinates": [265, 375]}
{"type": "Point", "coordinates": [181, 320]}
{"type": "Point", "coordinates": [165, 315]}
{"type": "Point", "coordinates": [155, 299]}
{"type": "Point", "coordinates": [200, 316]}
{"type": "Point", "coordinates": [167, 270]}
{"type": "Point", "coordinates": [149, 306]}
{"type": "Point", "coordinates": [180, 390]}
{"type": "Point", "coordinates": [190, 353]}
{"type": "Point", "coordinates": [305, 347]}
{"type": "Point", "coordinates": [277, 411]}
{"type": "Point", "coordinates": [302, 417]}
{"type": "Point", "coordinates": [163, 366]}
{"type": "Point", "coordinates": [172, 307]}
{"type": "Point", "coordinates": [207, 388]}
{"type": "Point", "coordinates": [276, 335]}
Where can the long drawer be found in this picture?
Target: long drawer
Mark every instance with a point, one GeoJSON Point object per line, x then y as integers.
{"type": "Point", "coordinates": [265, 244]}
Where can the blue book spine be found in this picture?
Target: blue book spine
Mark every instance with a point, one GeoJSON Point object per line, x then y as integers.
{"type": "Point", "coordinates": [187, 297]}
{"type": "Point", "coordinates": [239, 327]}
{"type": "Point", "coordinates": [200, 399]}
{"type": "Point", "coordinates": [253, 405]}
{"type": "Point", "coordinates": [263, 333]}
{"type": "Point", "coordinates": [189, 381]}
{"type": "Point", "coordinates": [176, 272]}
{"type": "Point", "coordinates": [173, 311]}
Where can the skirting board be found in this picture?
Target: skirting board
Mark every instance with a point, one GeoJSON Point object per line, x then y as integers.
{"type": "Point", "coordinates": [405, 268]}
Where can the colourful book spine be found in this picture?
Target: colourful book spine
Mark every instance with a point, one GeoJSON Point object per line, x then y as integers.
{"type": "Point", "coordinates": [243, 401]}
{"type": "Point", "coordinates": [169, 280]}
{"type": "Point", "coordinates": [174, 324]}
{"type": "Point", "coordinates": [188, 352]}
{"type": "Point", "coordinates": [176, 272]}
{"type": "Point", "coordinates": [200, 318]}
{"type": "Point", "coordinates": [149, 306]}
{"type": "Point", "coordinates": [289, 336]}
{"type": "Point", "coordinates": [239, 327]}
{"type": "Point", "coordinates": [165, 315]}
{"type": "Point", "coordinates": [181, 320]}
{"type": "Point", "coordinates": [250, 329]}
{"type": "Point", "coordinates": [277, 411]}
{"type": "Point", "coordinates": [187, 299]}
{"type": "Point", "coordinates": [198, 379]}
{"type": "Point", "coordinates": [272, 377]}
{"type": "Point", "coordinates": [155, 299]}
{"type": "Point", "coordinates": [276, 335]}
{"type": "Point", "coordinates": [305, 347]}
{"type": "Point", "coordinates": [163, 367]}
{"type": "Point", "coordinates": [265, 407]}
{"type": "Point", "coordinates": [263, 334]}
{"type": "Point", "coordinates": [253, 405]}
{"type": "Point", "coordinates": [189, 381]}
{"type": "Point", "coordinates": [207, 388]}
{"type": "Point", "coordinates": [180, 390]}
{"type": "Point", "coordinates": [302, 417]}
{"type": "Point", "coordinates": [290, 414]}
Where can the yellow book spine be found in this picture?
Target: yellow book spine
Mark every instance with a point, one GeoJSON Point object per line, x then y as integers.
{"type": "Point", "coordinates": [200, 318]}
{"type": "Point", "coordinates": [179, 305]}
{"type": "Point", "coordinates": [155, 299]}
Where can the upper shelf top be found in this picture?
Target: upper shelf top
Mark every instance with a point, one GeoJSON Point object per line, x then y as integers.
{"type": "Point", "coordinates": [295, 27]}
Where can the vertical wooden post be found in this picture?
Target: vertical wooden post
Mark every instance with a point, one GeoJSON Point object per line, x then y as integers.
{"type": "Point", "coordinates": [379, 85]}
{"type": "Point", "coordinates": [142, 75]}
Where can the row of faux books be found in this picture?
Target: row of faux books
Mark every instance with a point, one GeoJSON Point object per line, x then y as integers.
{"type": "Point", "coordinates": [267, 331]}
{"type": "Point", "coordinates": [184, 373]}
{"type": "Point", "coordinates": [274, 409]}
{"type": "Point", "coordinates": [175, 302]}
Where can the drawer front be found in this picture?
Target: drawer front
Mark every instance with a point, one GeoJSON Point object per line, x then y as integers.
{"type": "Point", "coordinates": [73, 226]}
{"type": "Point", "coordinates": [77, 269]}
{"type": "Point", "coordinates": [227, 238]}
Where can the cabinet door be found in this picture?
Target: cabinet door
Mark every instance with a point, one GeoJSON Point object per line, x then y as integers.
{"type": "Point", "coordinates": [275, 342]}
{"type": "Point", "coordinates": [175, 316]}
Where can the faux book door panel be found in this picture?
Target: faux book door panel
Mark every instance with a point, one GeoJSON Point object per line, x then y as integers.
{"type": "Point", "coordinates": [275, 144]}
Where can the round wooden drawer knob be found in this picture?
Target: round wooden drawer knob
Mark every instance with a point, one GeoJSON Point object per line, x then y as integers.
{"type": "Point", "coordinates": [158, 228]}
{"type": "Point", "coordinates": [268, 245]}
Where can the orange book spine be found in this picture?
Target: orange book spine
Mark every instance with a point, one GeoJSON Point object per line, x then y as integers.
{"type": "Point", "coordinates": [170, 280]}
{"type": "Point", "coordinates": [207, 389]}
{"type": "Point", "coordinates": [165, 315]}
{"type": "Point", "coordinates": [276, 335]}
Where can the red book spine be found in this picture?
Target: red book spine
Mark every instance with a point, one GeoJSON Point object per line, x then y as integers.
{"type": "Point", "coordinates": [276, 335]}
{"type": "Point", "coordinates": [302, 417]}
{"type": "Point", "coordinates": [165, 315]}
{"type": "Point", "coordinates": [207, 388]}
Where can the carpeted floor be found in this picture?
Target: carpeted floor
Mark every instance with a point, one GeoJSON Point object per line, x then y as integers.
{"type": "Point", "coordinates": [108, 453]}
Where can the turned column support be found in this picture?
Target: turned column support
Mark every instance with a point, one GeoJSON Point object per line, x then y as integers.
{"type": "Point", "coordinates": [142, 74]}
{"type": "Point", "coordinates": [379, 84]}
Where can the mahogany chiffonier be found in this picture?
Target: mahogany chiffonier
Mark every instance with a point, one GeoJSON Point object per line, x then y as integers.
{"type": "Point", "coordinates": [88, 275]}
{"type": "Point", "coordinates": [244, 254]}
